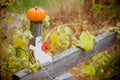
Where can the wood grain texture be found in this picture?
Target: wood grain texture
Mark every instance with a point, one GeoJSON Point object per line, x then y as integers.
{"type": "Point", "coordinates": [68, 59]}
{"type": "Point", "coordinates": [36, 30]}
{"type": "Point", "coordinates": [65, 76]}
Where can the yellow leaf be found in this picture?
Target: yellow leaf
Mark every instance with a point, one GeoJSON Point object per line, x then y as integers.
{"type": "Point", "coordinates": [89, 70]}
{"type": "Point", "coordinates": [87, 40]}
{"type": "Point", "coordinates": [55, 39]}
{"type": "Point", "coordinates": [34, 68]}
{"type": "Point", "coordinates": [18, 42]}
{"type": "Point", "coordinates": [52, 46]}
{"type": "Point", "coordinates": [9, 19]}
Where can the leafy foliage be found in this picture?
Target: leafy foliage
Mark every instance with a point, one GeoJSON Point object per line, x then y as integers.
{"type": "Point", "coordinates": [101, 58]}
{"type": "Point", "coordinates": [16, 54]}
{"type": "Point", "coordinates": [115, 29]}
{"type": "Point", "coordinates": [108, 70]}
{"type": "Point", "coordinates": [9, 19]}
{"type": "Point", "coordinates": [95, 68]}
{"type": "Point", "coordinates": [21, 38]}
{"type": "Point", "coordinates": [89, 70]}
{"type": "Point", "coordinates": [86, 41]}
{"type": "Point", "coordinates": [110, 6]}
{"type": "Point", "coordinates": [60, 38]}
{"type": "Point", "coordinates": [6, 2]}
{"type": "Point", "coordinates": [3, 4]}
{"type": "Point", "coordinates": [12, 57]}
{"type": "Point", "coordinates": [11, 61]}
{"type": "Point", "coordinates": [102, 66]}
{"type": "Point", "coordinates": [46, 21]}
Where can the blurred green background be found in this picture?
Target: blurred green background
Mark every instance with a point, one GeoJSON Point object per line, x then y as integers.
{"type": "Point", "coordinates": [23, 5]}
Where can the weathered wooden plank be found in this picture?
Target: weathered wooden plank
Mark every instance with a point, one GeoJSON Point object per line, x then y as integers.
{"type": "Point", "coordinates": [65, 76]}
{"type": "Point", "coordinates": [68, 59]}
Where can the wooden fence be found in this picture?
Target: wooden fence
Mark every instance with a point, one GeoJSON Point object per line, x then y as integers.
{"type": "Point", "coordinates": [68, 59]}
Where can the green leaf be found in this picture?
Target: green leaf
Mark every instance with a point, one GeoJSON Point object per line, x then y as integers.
{"type": "Point", "coordinates": [9, 19]}
{"type": "Point", "coordinates": [34, 68]}
{"type": "Point", "coordinates": [10, 49]}
{"type": "Point", "coordinates": [46, 24]}
{"type": "Point", "coordinates": [101, 58]}
{"type": "Point", "coordinates": [46, 21]}
{"type": "Point", "coordinates": [22, 18]}
{"type": "Point", "coordinates": [47, 18]}
{"type": "Point", "coordinates": [89, 70]}
{"type": "Point", "coordinates": [87, 41]}
{"type": "Point", "coordinates": [18, 42]}
{"type": "Point", "coordinates": [27, 34]}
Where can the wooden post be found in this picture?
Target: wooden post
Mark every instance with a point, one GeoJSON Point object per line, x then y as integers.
{"type": "Point", "coordinates": [36, 30]}
{"type": "Point", "coordinates": [36, 16]}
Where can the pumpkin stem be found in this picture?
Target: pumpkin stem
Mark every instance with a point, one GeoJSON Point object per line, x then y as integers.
{"type": "Point", "coordinates": [35, 7]}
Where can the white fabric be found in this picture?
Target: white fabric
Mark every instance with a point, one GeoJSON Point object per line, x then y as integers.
{"type": "Point", "coordinates": [39, 54]}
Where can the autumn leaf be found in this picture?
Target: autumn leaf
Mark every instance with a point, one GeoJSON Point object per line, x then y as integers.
{"type": "Point", "coordinates": [9, 19]}
{"type": "Point", "coordinates": [18, 42]}
{"type": "Point", "coordinates": [89, 70]}
{"type": "Point", "coordinates": [34, 68]}
{"type": "Point", "coordinates": [87, 41]}
{"type": "Point", "coordinates": [55, 39]}
{"type": "Point", "coordinates": [52, 46]}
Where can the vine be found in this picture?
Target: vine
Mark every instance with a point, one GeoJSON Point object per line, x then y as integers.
{"type": "Point", "coordinates": [61, 38]}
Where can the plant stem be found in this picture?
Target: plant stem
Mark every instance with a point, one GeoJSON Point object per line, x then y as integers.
{"type": "Point", "coordinates": [49, 34]}
{"type": "Point", "coordinates": [59, 26]}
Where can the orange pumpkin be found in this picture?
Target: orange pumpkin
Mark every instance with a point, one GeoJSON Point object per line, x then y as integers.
{"type": "Point", "coordinates": [36, 14]}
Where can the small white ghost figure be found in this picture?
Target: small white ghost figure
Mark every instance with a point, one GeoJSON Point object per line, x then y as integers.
{"type": "Point", "coordinates": [39, 54]}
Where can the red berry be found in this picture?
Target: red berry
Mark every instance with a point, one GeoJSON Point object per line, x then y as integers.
{"type": "Point", "coordinates": [45, 46]}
